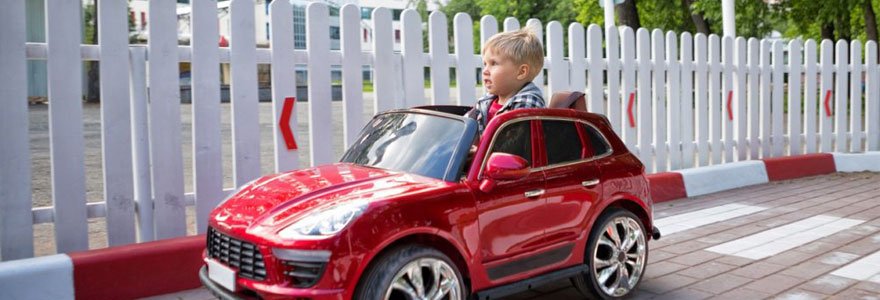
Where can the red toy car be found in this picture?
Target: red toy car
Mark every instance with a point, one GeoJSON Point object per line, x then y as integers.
{"type": "Point", "coordinates": [421, 207]}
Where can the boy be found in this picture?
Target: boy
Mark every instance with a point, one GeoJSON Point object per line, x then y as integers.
{"type": "Point", "coordinates": [511, 60]}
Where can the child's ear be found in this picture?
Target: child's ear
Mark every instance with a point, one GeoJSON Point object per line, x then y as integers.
{"type": "Point", "coordinates": [523, 71]}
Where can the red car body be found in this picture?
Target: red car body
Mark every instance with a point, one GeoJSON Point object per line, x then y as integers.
{"type": "Point", "coordinates": [495, 238]}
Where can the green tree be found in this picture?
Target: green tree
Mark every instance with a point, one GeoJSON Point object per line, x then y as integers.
{"type": "Point", "coordinates": [833, 20]}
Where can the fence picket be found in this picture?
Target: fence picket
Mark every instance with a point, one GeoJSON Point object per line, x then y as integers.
{"type": "Point", "coordinates": [643, 101]}
{"type": "Point", "coordinates": [164, 108]}
{"type": "Point", "coordinates": [116, 123]}
{"type": "Point", "coordinates": [872, 107]}
{"type": "Point", "coordinates": [855, 97]}
{"type": "Point", "coordinates": [628, 49]}
{"type": "Point", "coordinates": [465, 64]}
{"type": "Point", "coordinates": [439, 48]}
{"type": "Point", "coordinates": [715, 146]}
{"type": "Point", "coordinates": [245, 109]}
{"type": "Point", "coordinates": [488, 28]}
{"type": "Point", "coordinates": [612, 54]}
{"type": "Point", "coordinates": [755, 94]}
{"type": "Point", "coordinates": [810, 76]}
{"type": "Point", "coordinates": [766, 89]}
{"type": "Point", "coordinates": [674, 102]}
{"type": "Point", "coordinates": [658, 101]}
{"type": "Point", "coordinates": [511, 24]}
{"type": "Point", "coordinates": [776, 107]}
{"type": "Point", "coordinates": [740, 108]}
{"type": "Point", "coordinates": [840, 97]}
{"type": "Point", "coordinates": [687, 100]}
{"type": "Point", "coordinates": [413, 59]}
{"type": "Point", "coordinates": [578, 59]}
{"type": "Point", "coordinates": [17, 230]}
{"type": "Point", "coordinates": [352, 71]}
{"type": "Point", "coordinates": [826, 91]}
{"type": "Point", "coordinates": [557, 79]}
{"type": "Point", "coordinates": [794, 97]}
{"type": "Point", "coordinates": [701, 111]}
{"type": "Point", "coordinates": [140, 135]}
{"type": "Point", "coordinates": [727, 97]}
{"type": "Point", "coordinates": [536, 27]}
{"type": "Point", "coordinates": [383, 61]}
{"type": "Point", "coordinates": [318, 47]}
{"type": "Point", "coordinates": [595, 80]}
{"type": "Point", "coordinates": [207, 142]}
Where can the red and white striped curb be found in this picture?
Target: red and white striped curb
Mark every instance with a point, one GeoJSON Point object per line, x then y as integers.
{"type": "Point", "coordinates": [167, 266]}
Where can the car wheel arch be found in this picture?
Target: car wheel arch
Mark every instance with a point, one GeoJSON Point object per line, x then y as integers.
{"type": "Point", "coordinates": [427, 239]}
{"type": "Point", "coordinates": [631, 205]}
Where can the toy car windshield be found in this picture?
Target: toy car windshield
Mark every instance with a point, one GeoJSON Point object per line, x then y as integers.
{"type": "Point", "coordinates": [427, 143]}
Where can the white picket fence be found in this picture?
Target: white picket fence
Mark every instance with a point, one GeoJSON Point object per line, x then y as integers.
{"type": "Point", "coordinates": [678, 101]}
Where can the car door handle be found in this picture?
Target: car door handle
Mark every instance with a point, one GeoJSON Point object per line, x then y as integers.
{"type": "Point", "coordinates": [534, 193]}
{"type": "Point", "coordinates": [590, 183]}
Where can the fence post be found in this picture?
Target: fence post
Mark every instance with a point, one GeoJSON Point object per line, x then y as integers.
{"type": "Point", "coordinates": [766, 89]}
{"type": "Point", "coordinates": [644, 99]}
{"type": "Point", "coordinates": [841, 94]}
{"type": "Point", "coordinates": [727, 97]}
{"type": "Point", "coordinates": [595, 80]}
{"type": "Point", "coordinates": [628, 50]}
{"type": "Point", "coordinates": [511, 24]}
{"type": "Point", "coordinates": [558, 75]}
{"type": "Point", "coordinates": [701, 111]}
{"type": "Point", "coordinates": [536, 27]}
{"type": "Point", "coordinates": [826, 92]}
{"type": "Point", "coordinates": [578, 60]}
{"type": "Point", "coordinates": [715, 121]}
{"type": "Point", "coordinates": [687, 100]}
{"type": "Point", "coordinates": [318, 43]}
{"type": "Point", "coordinates": [741, 126]}
{"type": "Point", "coordinates": [872, 115]}
{"type": "Point", "coordinates": [245, 100]}
{"type": "Point", "coordinates": [464, 55]}
{"type": "Point", "coordinates": [284, 79]}
{"type": "Point", "coordinates": [16, 218]}
{"type": "Point", "coordinates": [612, 54]}
{"type": "Point", "coordinates": [140, 144]}
{"type": "Point", "coordinates": [755, 94]}
{"type": "Point", "coordinates": [673, 117]}
{"type": "Point", "coordinates": [413, 59]}
{"type": "Point", "coordinates": [777, 107]}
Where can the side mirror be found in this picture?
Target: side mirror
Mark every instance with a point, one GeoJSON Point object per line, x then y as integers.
{"type": "Point", "coordinates": [503, 167]}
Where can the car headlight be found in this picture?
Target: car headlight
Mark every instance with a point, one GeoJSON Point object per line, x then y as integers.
{"type": "Point", "coordinates": [325, 222]}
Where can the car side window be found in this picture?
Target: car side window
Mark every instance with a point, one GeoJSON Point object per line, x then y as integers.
{"type": "Point", "coordinates": [597, 141]}
{"type": "Point", "coordinates": [562, 141]}
{"type": "Point", "coordinates": [515, 139]}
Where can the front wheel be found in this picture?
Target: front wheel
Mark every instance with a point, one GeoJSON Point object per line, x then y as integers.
{"type": "Point", "coordinates": [616, 256]}
{"type": "Point", "coordinates": [412, 272]}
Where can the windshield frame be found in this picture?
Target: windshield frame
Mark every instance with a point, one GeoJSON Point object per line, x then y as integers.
{"type": "Point", "coordinates": [455, 166]}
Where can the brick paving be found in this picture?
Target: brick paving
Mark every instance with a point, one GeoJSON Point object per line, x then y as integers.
{"type": "Point", "coordinates": [680, 267]}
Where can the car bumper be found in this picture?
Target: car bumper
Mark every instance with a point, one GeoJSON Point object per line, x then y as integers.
{"type": "Point", "coordinates": [285, 293]}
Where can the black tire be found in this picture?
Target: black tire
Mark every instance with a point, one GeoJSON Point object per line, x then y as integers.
{"type": "Point", "coordinates": [377, 280]}
{"type": "Point", "coordinates": [588, 284]}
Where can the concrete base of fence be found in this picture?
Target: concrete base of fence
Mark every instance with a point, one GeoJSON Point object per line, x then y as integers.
{"type": "Point", "coordinates": [846, 162]}
{"type": "Point", "coordinates": [707, 180]}
{"type": "Point", "coordinates": [161, 267]}
{"type": "Point", "coordinates": [47, 277]}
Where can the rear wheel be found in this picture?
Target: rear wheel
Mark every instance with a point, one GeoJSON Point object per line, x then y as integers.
{"type": "Point", "coordinates": [616, 256]}
{"type": "Point", "coordinates": [412, 272]}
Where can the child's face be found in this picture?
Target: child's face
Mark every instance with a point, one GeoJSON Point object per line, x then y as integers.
{"type": "Point", "coordinates": [501, 76]}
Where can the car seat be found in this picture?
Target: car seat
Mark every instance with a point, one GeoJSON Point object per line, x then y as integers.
{"type": "Point", "coordinates": [573, 100]}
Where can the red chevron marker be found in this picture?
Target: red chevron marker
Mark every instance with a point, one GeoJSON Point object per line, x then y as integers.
{"type": "Point", "coordinates": [284, 123]}
{"type": "Point", "coordinates": [629, 110]}
{"type": "Point", "coordinates": [828, 105]}
{"type": "Point", "coordinates": [730, 105]}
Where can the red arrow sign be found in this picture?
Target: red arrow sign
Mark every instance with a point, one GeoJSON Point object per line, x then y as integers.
{"type": "Point", "coordinates": [827, 104]}
{"type": "Point", "coordinates": [284, 123]}
{"type": "Point", "coordinates": [730, 105]}
{"type": "Point", "coordinates": [629, 110]}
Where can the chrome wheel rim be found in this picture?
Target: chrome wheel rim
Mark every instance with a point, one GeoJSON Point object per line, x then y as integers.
{"type": "Point", "coordinates": [619, 256]}
{"type": "Point", "coordinates": [425, 279]}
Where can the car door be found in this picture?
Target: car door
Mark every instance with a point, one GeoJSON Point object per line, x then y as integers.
{"type": "Point", "coordinates": [572, 179]}
{"type": "Point", "coordinates": [510, 222]}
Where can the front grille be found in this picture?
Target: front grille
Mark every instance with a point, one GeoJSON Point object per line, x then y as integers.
{"type": "Point", "coordinates": [238, 254]}
{"type": "Point", "coordinates": [303, 274]}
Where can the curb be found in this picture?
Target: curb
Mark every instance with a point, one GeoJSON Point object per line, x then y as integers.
{"type": "Point", "coordinates": [171, 265]}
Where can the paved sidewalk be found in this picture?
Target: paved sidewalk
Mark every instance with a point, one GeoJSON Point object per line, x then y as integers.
{"type": "Point", "coordinates": [810, 238]}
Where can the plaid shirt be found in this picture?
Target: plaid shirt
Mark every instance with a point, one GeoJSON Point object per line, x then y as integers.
{"type": "Point", "coordinates": [530, 96]}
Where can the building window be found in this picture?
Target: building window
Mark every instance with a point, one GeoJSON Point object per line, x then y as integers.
{"type": "Point", "coordinates": [365, 35]}
{"type": "Point", "coordinates": [397, 35]}
{"type": "Point", "coordinates": [366, 13]}
{"type": "Point", "coordinates": [143, 20]}
{"type": "Point", "coordinates": [334, 11]}
{"type": "Point", "coordinates": [396, 13]}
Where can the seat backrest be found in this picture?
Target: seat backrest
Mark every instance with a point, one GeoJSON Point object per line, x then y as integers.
{"type": "Point", "coordinates": [574, 100]}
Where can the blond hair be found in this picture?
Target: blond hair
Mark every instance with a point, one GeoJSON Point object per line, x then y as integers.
{"type": "Point", "coordinates": [522, 46]}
